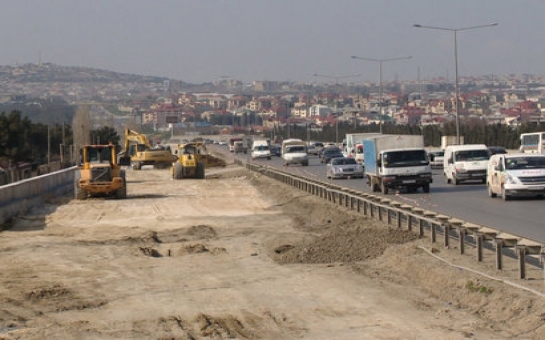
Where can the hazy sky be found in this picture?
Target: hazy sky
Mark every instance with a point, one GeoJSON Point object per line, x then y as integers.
{"type": "Point", "coordinates": [202, 40]}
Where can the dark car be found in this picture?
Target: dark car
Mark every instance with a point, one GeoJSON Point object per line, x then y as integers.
{"type": "Point", "coordinates": [328, 153]}
{"type": "Point", "coordinates": [496, 150]}
{"type": "Point", "coordinates": [276, 150]}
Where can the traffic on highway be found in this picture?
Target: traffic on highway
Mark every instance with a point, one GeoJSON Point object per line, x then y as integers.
{"type": "Point", "coordinates": [469, 201]}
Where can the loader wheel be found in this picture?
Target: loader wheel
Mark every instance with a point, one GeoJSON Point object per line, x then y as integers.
{"type": "Point", "coordinates": [121, 193]}
{"type": "Point", "coordinates": [79, 193]}
{"type": "Point", "coordinates": [178, 171]}
{"type": "Point", "coordinates": [136, 166]}
{"type": "Point", "coordinates": [200, 170]}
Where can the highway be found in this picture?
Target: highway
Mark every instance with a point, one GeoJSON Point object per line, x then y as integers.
{"type": "Point", "coordinates": [523, 217]}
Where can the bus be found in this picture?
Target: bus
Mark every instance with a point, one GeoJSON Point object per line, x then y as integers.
{"type": "Point", "coordinates": [533, 142]}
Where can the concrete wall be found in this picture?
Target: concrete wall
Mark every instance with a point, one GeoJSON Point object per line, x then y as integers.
{"type": "Point", "coordinates": [19, 197]}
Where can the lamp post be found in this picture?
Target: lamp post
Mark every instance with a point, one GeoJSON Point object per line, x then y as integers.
{"type": "Point", "coordinates": [380, 61]}
{"type": "Point", "coordinates": [456, 89]}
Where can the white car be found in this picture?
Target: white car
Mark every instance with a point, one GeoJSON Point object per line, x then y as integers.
{"type": "Point", "coordinates": [344, 167]}
{"type": "Point", "coordinates": [436, 158]}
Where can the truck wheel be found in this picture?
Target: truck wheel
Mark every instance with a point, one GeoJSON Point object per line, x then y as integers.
{"type": "Point", "coordinates": [455, 180]}
{"type": "Point", "coordinates": [504, 194]}
{"type": "Point", "coordinates": [178, 172]}
{"type": "Point", "coordinates": [200, 170]}
{"type": "Point", "coordinates": [384, 189]}
{"type": "Point", "coordinates": [490, 192]}
{"type": "Point", "coordinates": [121, 193]}
{"type": "Point", "coordinates": [305, 163]}
{"type": "Point", "coordinates": [426, 188]}
{"type": "Point", "coordinates": [447, 180]}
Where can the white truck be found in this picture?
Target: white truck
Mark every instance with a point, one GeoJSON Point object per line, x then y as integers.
{"type": "Point", "coordinates": [465, 163]}
{"type": "Point", "coordinates": [397, 161]}
{"type": "Point", "coordinates": [294, 151]}
{"type": "Point", "coordinates": [353, 145]}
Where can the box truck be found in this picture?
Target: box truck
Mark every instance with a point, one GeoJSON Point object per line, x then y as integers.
{"type": "Point", "coordinates": [353, 145]}
{"type": "Point", "coordinates": [397, 161]}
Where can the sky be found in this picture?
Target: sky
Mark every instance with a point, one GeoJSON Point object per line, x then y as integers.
{"type": "Point", "coordinates": [198, 41]}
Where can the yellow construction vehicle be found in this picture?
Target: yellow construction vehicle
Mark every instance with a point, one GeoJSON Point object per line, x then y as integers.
{"type": "Point", "coordinates": [99, 174]}
{"type": "Point", "coordinates": [192, 160]}
{"type": "Point", "coordinates": [140, 152]}
{"type": "Point", "coordinates": [189, 163]}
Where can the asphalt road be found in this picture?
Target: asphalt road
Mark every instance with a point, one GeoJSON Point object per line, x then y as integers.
{"type": "Point", "coordinates": [469, 201]}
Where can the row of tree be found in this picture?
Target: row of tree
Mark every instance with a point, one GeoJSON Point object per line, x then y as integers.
{"type": "Point", "coordinates": [22, 141]}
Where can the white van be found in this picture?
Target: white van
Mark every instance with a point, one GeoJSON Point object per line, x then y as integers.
{"type": "Point", "coordinates": [467, 162]}
{"type": "Point", "coordinates": [516, 175]}
{"type": "Point", "coordinates": [261, 149]}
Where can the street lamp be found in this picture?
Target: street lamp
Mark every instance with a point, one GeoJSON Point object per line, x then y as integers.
{"type": "Point", "coordinates": [456, 89]}
{"type": "Point", "coordinates": [380, 61]}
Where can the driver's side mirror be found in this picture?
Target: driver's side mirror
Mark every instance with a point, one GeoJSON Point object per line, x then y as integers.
{"type": "Point", "coordinates": [450, 160]}
{"type": "Point", "coordinates": [379, 163]}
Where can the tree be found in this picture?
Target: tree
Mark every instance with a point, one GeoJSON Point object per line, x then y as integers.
{"type": "Point", "coordinates": [105, 135]}
{"type": "Point", "coordinates": [14, 137]}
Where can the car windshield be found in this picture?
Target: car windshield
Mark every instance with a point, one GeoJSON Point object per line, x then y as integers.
{"type": "Point", "coordinates": [472, 155]}
{"type": "Point", "coordinates": [294, 149]}
{"type": "Point", "coordinates": [520, 163]}
{"type": "Point", "coordinates": [405, 158]}
{"type": "Point", "coordinates": [343, 161]}
{"type": "Point", "coordinates": [261, 148]}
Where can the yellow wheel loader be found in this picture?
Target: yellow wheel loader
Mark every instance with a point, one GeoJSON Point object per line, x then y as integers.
{"type": "Point", "coordinates": [190, 162]}
{"type": "Point", "coordinates": [99, 174]}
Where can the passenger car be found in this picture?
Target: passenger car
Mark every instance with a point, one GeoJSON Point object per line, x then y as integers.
{"type": "Point", "coordinates": [329, 153]}
{"type": "Point", "coordinates": [343, 167]}
{"type": "Point", "coordinates": [314, 148]}
{"type": "Point", "coordinates": [276, 150]}
{"type": "Point", "coordinates": [496, 150]}
{"type": "Point", "coordinates": [436, 158]}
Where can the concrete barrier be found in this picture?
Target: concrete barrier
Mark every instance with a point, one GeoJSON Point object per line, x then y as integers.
{"type": "Point", "coordinates": [17, 198]}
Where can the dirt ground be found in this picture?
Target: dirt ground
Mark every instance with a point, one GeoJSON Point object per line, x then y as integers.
{"type": "Point", "coordinates": [240, 256]}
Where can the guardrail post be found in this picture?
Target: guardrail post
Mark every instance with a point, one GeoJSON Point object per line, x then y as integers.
{"type": "Point", "coordinates": [421, 227]}
{"type": "Point", "coordinates": [433, 232]}
{"type": "Point", "coordinates": [372, 209]}
{"type": "Point", "coordinates": [479, 242]}
{"type": "Point", "coordinates": [462, 235]}
{"type": "Point", "coordinates": [499, 248]}
{"type": "Point", "coordinates": [446, 229]}
{"type": "Point", "coordinates": [358, 204]}
{"type": "Point", "coordinates": [365, 207]}
{"type": "Point", "coordinates": [521, 253]}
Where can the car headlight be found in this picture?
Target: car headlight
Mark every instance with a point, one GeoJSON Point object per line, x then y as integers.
{"type": "Point", "coordinates": [511, 179]}
{"type": "Point", "coordinates": [460, 170]}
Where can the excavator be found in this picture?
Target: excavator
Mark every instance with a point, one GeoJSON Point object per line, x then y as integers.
{"type": "Point", "coordinates": [138, 149]}
{"type": "Point", "coordinates": [192, 160]}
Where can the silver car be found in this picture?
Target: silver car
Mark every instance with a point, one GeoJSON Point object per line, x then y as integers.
{"type": "Point", "coordinates": [344, 167]}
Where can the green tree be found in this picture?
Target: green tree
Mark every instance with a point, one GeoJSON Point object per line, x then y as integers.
{"type": "Point", "coordinates": [14, 137]}
{"type": "Point", "coordinates": [105, 135]}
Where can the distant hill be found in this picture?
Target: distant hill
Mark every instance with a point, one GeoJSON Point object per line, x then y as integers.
{"type": "Point", "coordinates": [46, 72]}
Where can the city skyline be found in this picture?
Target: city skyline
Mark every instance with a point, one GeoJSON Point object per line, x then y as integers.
{"type": "Point", "coordinates": [281, 40]}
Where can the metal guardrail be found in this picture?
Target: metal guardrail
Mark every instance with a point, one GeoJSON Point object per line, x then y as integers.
{"type": "Point", "coordinates": [427, 222]}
